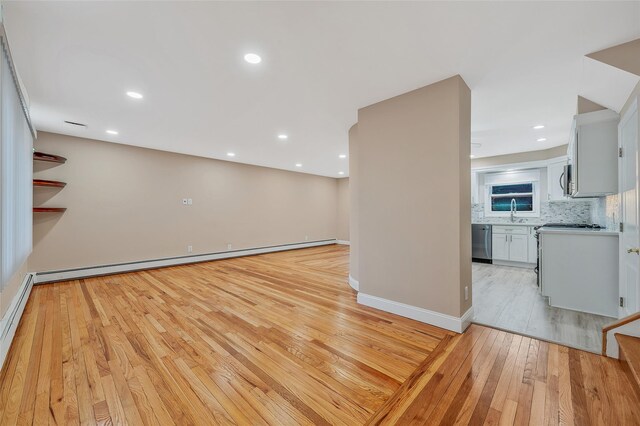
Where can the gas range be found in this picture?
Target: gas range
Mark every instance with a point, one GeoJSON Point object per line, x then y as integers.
{"type": "Point", "coordinates": [570, 225]}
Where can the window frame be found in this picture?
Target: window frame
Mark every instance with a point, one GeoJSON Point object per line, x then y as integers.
{"type": "Point", "coordinates": [535, 194]}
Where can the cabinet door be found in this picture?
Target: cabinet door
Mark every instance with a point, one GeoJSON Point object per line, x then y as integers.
{"type": "Point", "coordinates": [533, 246]}
{"type": "Point", "coordinates": [500, 247]}
{"type": "Point", "coordinates": [474, 187]}
{"type": "Point", "coordinates": [519, 248]}
{"type": "Point", "coordinates": [554, 174]}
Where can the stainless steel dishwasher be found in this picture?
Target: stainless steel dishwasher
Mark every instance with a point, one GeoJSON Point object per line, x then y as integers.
{"type": "Point", "coordinates": [481, 243]}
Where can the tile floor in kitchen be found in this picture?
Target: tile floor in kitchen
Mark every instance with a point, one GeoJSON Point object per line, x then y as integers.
{"type": "Point", "coordinates": [508, 298]}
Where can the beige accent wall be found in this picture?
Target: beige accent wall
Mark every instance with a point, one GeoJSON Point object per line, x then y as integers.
{"type": "Point", "coordinates": [343, 209]}
{"type": "Point", "coordinates": [354, 227]}
{"type": "Point", "coordinates": [585, 105]}
{"type": "Point", "coordinates": [624, 56]}
{"type": "Point", "coordinates": [520, 157]}
{"type": "Point", "coordinates": [414, 197]}
{"type": "Point", "coordinates": [125, 204]}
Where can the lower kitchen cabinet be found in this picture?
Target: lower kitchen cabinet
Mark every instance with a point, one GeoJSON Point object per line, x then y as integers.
{"type": "Point", "coordinates": [533, 245]}
{"type": "Point", "coordinates": [518, 248]}
{"type": "Point", "coordinates": [579, 270]}
{"type": "Point", "coordinates": [514, 243]}
{"type": "Point", "coordinates": [500, 247]}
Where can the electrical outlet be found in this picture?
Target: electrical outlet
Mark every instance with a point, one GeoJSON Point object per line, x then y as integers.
{"type": "Point", "coordinates": [466, 293]}
{"type": "Point", "coordinates": [306, 238]}
{"type": "Point", "coordinates": [229, 246]}
{"type": "Point", "coordinates": [189, 249]}
{"type": "Point", "coordinates": [185, 201]}
{"type": "Point", "coordinates": [190, 201]}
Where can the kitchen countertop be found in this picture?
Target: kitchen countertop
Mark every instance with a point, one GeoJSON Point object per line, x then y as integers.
{"type": "Point", "coordinates": [583, 231]}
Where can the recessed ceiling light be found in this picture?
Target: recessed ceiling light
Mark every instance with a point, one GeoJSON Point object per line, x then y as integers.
{"type": "Point", "coordinates": [134, 95]}
{"type": "Point", "coordinates": [538, 127]}
{"type": "Point", "coordinates": [340, 173]}
{"type": "Point", "coordinates": [283, 136]}
{"type": "Point", "coordinates": [252, 58]}
{"type": "Point", "coordinates": [298, 165]}
{"type": "Point", "coordinates": [472, 156]}
{"type": "Point", "coordinates": [342, 156]}
{"type": "Point", "coordinates": [231, 154]}
{"type": "Point", "coordinates": [541, 139]}
{"type": "Point", "coordinates": [112, 132]}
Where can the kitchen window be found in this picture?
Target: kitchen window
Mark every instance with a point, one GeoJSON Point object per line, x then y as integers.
{"type": "Point", "coordinates": [503, 190]}
{"type": "Point", "coordinates": [504, 196]}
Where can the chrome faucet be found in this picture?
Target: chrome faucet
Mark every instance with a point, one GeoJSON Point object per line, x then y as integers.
{"type": "Point", "coordinates": [514, 210]}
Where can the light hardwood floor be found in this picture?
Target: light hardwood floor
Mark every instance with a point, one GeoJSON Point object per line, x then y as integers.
{"type": "Point", "coordinates": [491, 377]}
{"type": "Point", "coordinates": [280, 339]}
{"type": "Point", "coordinates": [275, 339]}
{"type": "Point", "coordinates": [508, 298]}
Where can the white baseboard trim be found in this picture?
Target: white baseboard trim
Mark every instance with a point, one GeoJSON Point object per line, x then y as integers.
{"type": "Point", "coordinates": [344, 242]}
{"type": "Point", "coordinates": [466, 319]}
{"type": "Point", "coordinates": [419, 314]}
{"type": "Point", "coordinates": [9, 323]}
{"type": "Point", "coordinates": [72, 274]}
{"type": "Point", "coordinates": [354, 283]}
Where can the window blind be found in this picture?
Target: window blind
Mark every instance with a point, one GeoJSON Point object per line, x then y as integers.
{"type": "Point", "coordinates": [16, 173]}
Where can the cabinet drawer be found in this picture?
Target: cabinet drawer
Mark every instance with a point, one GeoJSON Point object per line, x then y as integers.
{"type": "Point", "coordinates": [514, 229]}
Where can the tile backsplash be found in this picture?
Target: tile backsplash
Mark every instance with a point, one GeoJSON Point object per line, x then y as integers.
{"type": "Point", "coordinates": [573, 211]}
{"type": "Point", "coordinates": [606, 211]}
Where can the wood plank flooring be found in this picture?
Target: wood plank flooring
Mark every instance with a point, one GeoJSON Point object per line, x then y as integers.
{"type": "Point", "coordinates": [271, 339]}
{"type": "Point", "coordinates": [491, 377]}
{"type": "Point", "coordinates": [280, 339]}
{"type": "Point", "coordinates": [508, 298]}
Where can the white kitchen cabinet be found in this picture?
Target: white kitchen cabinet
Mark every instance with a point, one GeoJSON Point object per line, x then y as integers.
{"type": "Point", "coordinates": [500, 247]}
{"type": "Point", "coordinates": [511, 243]}
{"type": "Point", "coordinates": [554, 185]}
{"type": "Point", "coordinates": [579, 270]}
{"type": "Point", "coordinates": [593, 154]}
{"type": "Point", "coordinates": [518, 248]}
{"type": "Point", "coordinates": [533, 245]}
{"type": "Point", "coordinates": [474, 187]}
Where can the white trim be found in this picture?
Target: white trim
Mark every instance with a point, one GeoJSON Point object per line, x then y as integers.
{"type": "Point", "coordinates": [9, 323]}
{"type": "Point", "coordinates": [535, 196]}
{"type": "Point", "coordinates": [52, 276]}
{"type": "Point", "coordinates": [419, 314]}
{"type": "Point", "coordinates": [466, 319]}
{"type": "Point", "coordinates": [623, 311]}
{"type": "Point", "coordinates": [344, 242]}
{"type": "Point", "coordinates": [513, 177]}
{"type": "Point", "coordinates": [354, 283]}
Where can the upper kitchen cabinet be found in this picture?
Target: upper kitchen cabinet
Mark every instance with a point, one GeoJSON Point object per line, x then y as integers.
{"type": "Point", "coordinates": [555, 190]}
{"type": "Point", "coordinates": [593, 155]}
{"type": "Point", "coordinates": [474, 187]}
